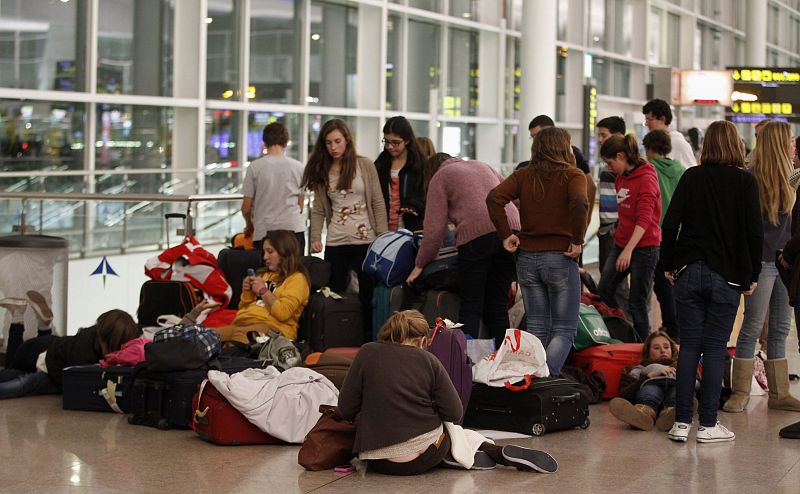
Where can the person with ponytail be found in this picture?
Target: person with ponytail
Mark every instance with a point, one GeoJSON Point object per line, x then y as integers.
{"type": "Point", "coordinates": [638, 236]}
{"type": "Point", "coordinates": [771, 166]}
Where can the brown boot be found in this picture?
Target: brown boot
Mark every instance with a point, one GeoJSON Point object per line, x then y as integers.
{"type": "Point", "coordinates": [666, 417]}
{"type": "Point", "coordinates": [639, 416]}
{"type": "Point", "coordinates": [741, 379]}
{"type": "Point", "coordinates": [778, 381]}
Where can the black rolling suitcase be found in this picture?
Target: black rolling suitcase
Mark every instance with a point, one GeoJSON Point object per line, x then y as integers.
{"type": "Point", "coordinates": [549, 404]}
{"type": "Point", "coordinates": [234, 264]}
{"type": "Point", "coordinates": [164, 399]}
{"type": "Point", "coordinates": [328, 322]}
{"type": "Point", "coordinates": [97, 389]}
{"type": "Point", "coordinates": [161, 297]}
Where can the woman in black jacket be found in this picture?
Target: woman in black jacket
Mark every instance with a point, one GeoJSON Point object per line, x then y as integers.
{"type": "Point", "coordinates": [400, 173]}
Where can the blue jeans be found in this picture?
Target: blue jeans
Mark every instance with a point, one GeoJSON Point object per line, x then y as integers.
{"type": "Point", "coordinates": [15, 383]}
{"type": "Point", "coordinates": [643, 265]}
{"type": "Point", "coordinates": [770, 295]}
{"type": "Point", "coordinates": [551, 293]}
{"type": "Point", "coordinates": [708, 306]}
{"type": "Point", "coordinates": [485, 273]}
{"type": "Point", "coordinates": [657, 394]}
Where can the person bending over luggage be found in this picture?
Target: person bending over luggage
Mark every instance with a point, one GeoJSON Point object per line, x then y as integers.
{"type": "Point", "coordinates": [400, 396]}
{"type": "Point", "coordinates": [35, 366]}
{"type": "Point", "coordinates": [275, 300]}
{"type": "Point", "coordinates": [649, 398]}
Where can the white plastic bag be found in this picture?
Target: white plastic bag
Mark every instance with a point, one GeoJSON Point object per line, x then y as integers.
{"type": "Point", "coordinates": [520, 356]}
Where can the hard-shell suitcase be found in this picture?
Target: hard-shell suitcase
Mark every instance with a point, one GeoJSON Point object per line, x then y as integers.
{"type": "Point", "coordinates": [606, 363]}
{"type": "Point", "coordinates": [164, 399]}
{"type": "Point", "coordinates": [161, 297]}
{"type": "Point", "coordinates": [330, 322]}
{"type": "Point", "coordinates": [548, 404]}
{"type": "Point", "coordinates": [217, 421]}
{"type": "Point", "coordinates": [97, 389]}
{"type": "Point", "coordinates": [234, 264]}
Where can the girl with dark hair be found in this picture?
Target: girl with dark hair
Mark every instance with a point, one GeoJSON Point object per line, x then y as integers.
{"type": "Point", "coordinates": [400, 173]}
{"type": "Point", "coordinates": [275, 300]}
{"type": "Point", "coordinates": [638, 235]}
{"type": "Point", "coordinates": [36, 366]}
{"type": "Point", "coordinates": [711, 253]}
{"type": "Point", "coordinates": [349, 201]}
{"type": "Point", "coordinates": [553, 212]}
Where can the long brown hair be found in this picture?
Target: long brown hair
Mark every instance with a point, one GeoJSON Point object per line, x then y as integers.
{"type": "Point", "coordinates": [432, 166]}
{"type": "Point", "coordinates": [626, 145]}
{"type": "Point", "coordinates": [115, 328]}
{"type": "Point", "coordinates": [551, 150]}
{"type": "Point", "coordinates": [645, 359]}
{"type": "Point", "coordinates": [319, 163]}
{"type": "Point", "coordinates": [722, 145]}
{"type": "Point", "coordinates": [404, 326]}
{"type": "Point", "coordinates": [772, 166]}
{"type": "Point", "coordinates": [285, 244]}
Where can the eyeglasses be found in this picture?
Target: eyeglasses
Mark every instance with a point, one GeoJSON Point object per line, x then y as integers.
{"type": "Point", "coordinates": [391, 143]}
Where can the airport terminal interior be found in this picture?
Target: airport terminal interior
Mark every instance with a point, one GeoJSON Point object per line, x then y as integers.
{"type": "Point", "coordinates": [115, 112]}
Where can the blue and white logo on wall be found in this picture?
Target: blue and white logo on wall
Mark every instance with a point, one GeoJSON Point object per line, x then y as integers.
{"type": "Point", "coordinates": [104, 269]}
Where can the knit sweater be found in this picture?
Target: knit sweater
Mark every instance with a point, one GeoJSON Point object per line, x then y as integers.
{"type": "Point", "coordinates": [669, 174]}
{"type": "Point", "coordinates": [397, 392]}
{"type": "Point", "coordinates": [284, 314]}
{"type": "Point", "coordinates": [457, 193]}
{"type": "Point", "coordinates": [552, 206]}
{"type": "Point", "coordinates": [639, 202]}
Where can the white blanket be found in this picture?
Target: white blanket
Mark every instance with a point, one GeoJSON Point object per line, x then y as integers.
{"type": "Point", "coordinates": [464, 443]}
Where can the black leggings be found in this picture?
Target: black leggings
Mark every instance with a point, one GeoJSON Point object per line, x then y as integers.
{"type": "Point", "coordinates": [430, 458]}
{"type": "Point", "coordinates": [23, 356]}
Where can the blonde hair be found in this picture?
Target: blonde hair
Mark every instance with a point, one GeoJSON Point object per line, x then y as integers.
{"type": "Point", "coordinates": [404, 326]}
{"type": "Point", "coordinates": [772, 166]}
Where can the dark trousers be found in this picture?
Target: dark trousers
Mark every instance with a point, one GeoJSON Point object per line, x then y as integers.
{"type": "Point", "coordinates": [485, 272]}
{"type": "Point", "coordinates": [641, 269]}
{"type": "Point", "coordinates": [708, 308]}
{"type": "Point", "coordinates": [346, 258]}
{"type": "Point", "coordinates": [301, 241]}
{"type": "Point", "coordinates": [666, 300]}
{"type": "Point", "coordinates": [426, 461]}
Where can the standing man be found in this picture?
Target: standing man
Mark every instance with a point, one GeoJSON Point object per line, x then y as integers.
{"type": "Point", "coordinates": [658, 116]}
{"type": "Point", "coordinates": [273, 198]}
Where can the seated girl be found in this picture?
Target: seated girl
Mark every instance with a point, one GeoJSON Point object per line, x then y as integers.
{"type": "Point", "coordinates": [401, 395]}
{"type": "Point", "coordinates": [275, 300]}
{"type": "Point", "coordinates": [35, 366]}
{"type": "Point", "coordinates": [649, 397]}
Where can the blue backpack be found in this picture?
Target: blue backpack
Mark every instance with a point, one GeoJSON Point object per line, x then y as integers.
{"type": "Point", "coordinates": [390, 257]}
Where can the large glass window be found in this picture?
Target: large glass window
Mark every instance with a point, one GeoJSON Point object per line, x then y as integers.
{"type": "Point", "coordinates": [222, 139]}
{"type": "Point", "coordinates": [623, 19]}
{"type": "Point", "coordinates": [433, 5]}
{"type": "Point", "coordinates": [135, 137]}
{"type": "Point", "coordinates": [393, 55]}
{"type": "Point", "coordinates": [622, 79]}
{"type": "Point", "coordinates": [462, 87]}
{"type": "Point", "coordinates": [466, 9]}
{"type": "Point", "coordinates": [257, 120]}
{"type": "Point", "coordinates": [773, 30]}
{"type": "Point", "coordinates": [334, 38]}
{"type": "Point", "coordinates": [513, 74]}
{"type": "Point", "coordinates": [597, 23]}
{"type": "Point", "coordinates": [599, 73]}
{"type": "Point", "coordinates": [673, 40]}
{"type": "Point", "coordinates": [222, 50]}
{"type": "Point", "coordinates": [315, 123]}
{"type": "Point", "coordinates": [134, 47]}
{"type": "Point", "coordinates": [41, 44]}
{"type": "Point", "coordinates": [562, 19]}
{"type": "Point", "coordinates": [458, 139]}
{"type": "Point", "coordinates": [654, 36]}
{"type": "Point", "coordinates": [423, 64]}
{"type": "Point", "coordinates": [275, 51]}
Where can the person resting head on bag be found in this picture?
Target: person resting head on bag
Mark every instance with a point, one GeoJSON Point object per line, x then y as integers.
{"type": "Point", "coordinates": [406, 403]}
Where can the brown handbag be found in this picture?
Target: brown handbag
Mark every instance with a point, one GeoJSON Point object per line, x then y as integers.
{"type": "Point", "coordinates": [329, 443]}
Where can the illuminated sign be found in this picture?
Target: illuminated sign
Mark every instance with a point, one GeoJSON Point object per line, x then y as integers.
{"type": "Point", "coordinates": [766, 75]}
{"type": "Point", "coordinates": [760, 93]}
{"type": "Point", "coordinates": [762, 107]}
{"type": "Point", "coordinates": [704, 87]}
{"type": "Point", "coordinates": [589, 116]}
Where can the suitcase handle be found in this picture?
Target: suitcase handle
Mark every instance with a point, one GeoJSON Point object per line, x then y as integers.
{"type": "Point", "coordinates": [520, 387]}
{"type": "Point", "coordinates": [564, 399]}
{"type": "Point", "coordinates": [200, 417]}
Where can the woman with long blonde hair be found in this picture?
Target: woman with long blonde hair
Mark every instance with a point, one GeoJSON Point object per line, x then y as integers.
{"type": "Point", "coordinates": [771, 166]}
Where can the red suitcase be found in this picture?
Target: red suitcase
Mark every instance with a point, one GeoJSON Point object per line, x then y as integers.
{"type": "Point", "coordinates": [217, 421]}
{"type": "Point", "coordinates": [607, 362]}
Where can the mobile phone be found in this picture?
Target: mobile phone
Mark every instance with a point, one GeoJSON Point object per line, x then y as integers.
{"type": "Point", "coordinates": [345, 468]}
{"type": "Point", "coordinates": [251, 272]}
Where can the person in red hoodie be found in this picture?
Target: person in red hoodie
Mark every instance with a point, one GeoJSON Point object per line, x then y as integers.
{"type": "Point", "coordinates": [638, 236]}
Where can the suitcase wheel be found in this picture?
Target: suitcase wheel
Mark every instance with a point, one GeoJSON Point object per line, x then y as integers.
{"type": "Point", "coordinates": [585, 424]}
{"type": "Point", "coordinates": [538, 429]}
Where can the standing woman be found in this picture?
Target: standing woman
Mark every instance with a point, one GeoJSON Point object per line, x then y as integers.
{"type": "Point", "coordinates": [711, 253]}
{"type": "Point", "coordinates": [348, 200]}
{"type": "Point", "coordinates": [400, 173]}
{"type": "Point", "coordinates": [553, 206]}
{"type": "Point", "coordinates": [638, 235]}
{"type": "Point", "coordinates": [771, 166]}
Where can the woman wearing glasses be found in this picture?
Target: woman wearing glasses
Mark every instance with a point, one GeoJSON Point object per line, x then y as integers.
{"type": "Point", "coordinates": [400, 174]}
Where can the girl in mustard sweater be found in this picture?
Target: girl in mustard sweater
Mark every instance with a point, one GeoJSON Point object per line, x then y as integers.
{"type": "Point", "coordinates": [275, 300]}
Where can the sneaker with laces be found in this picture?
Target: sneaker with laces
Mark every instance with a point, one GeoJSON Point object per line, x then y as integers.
{"type": "Point", "coordinates": [16, 306]}
{"type": "Point", "coordinates": [39, 305]}
{"type": "Point", "coordinates": [679, 431]}
{"type": "Point", "coordinates": [717, 434]}
{"type": "Point", "coordinates": [529, 459]}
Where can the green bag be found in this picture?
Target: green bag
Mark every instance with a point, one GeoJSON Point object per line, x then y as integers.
{"type": "Point", "coordinates": [591, 329]}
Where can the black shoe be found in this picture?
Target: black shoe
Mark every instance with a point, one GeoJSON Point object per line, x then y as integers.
{"type": "Point", "coordinates": [529, 459]}
{"type": "Point", "coordinates": [482, 461]}
{"type": "Point", "coordinates": [791, 431]}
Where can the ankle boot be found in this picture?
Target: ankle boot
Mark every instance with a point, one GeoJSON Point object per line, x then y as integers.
{"type": "Point", "coordinates": [640, 416]}
{"type": "Point", "coordinates": [741, 379]}
{"type": "Point", "coordinates": [778, 381]}
{"type": "Point", "coordinates": [665, 419]}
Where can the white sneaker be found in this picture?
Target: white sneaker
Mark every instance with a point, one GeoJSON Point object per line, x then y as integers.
{"type": "Point", "coordinates": [716, 434]}
{"type": "Point", "coordinates": [679, 431]}
{"type": "Point", "coordinates": [39, 305]}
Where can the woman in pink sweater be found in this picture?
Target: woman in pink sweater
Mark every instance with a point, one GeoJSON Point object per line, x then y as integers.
{"type": "Point", "coordinates": [456, 192]}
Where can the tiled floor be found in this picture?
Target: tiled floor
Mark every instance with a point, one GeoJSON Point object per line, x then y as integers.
{"type": "Point", "coordinates": [45, 449]}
